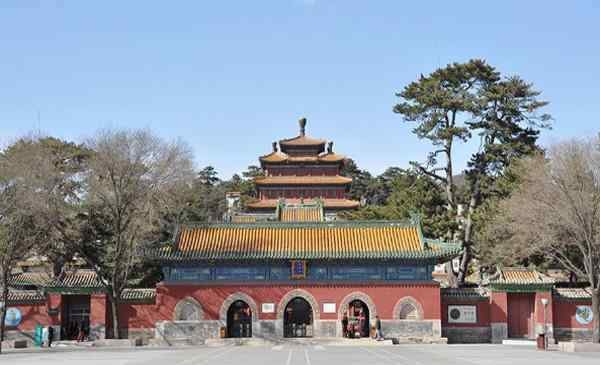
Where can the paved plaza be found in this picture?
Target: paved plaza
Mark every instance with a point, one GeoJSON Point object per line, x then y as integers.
{"type": "Point", "coordinates": [305, 355]}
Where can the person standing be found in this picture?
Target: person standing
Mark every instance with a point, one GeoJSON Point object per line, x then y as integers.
{"type": "Point", "coordinates": [50, 335]}
{"type": "Point", "coordinates": [379, 334]}
{"type": "Point", "coordinates": [345, 325]}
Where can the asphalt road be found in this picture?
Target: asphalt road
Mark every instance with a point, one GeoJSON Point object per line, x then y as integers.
{"type": "Point", "coordinates": [305, 355]}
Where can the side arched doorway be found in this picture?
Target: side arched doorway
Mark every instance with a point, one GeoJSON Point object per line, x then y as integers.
{"type": "Point", "coordinates": [239, 320]}
{"type": "Point", "coordinates": [357, 318]}
{"type": "Point", "coordinates": [298, 318]}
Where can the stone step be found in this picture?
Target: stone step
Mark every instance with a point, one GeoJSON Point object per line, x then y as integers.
{"type": "Point", "coordinates": [519, 342]}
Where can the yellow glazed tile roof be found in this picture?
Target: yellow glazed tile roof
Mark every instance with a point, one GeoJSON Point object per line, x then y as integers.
{"type": "Point", "coordinates": [303, 180]}
{"type": "Point", "coordinates": [275, 241]}
{"type": "Point", "coordinates": [321, 240]}
{"type": "Point", "coordinates": [312, 213]}
{"type": "Point", "coordinates": [274, 157]}
{"type": "Point", "coordinates": [518, 276]}
{"type": "Point", "coordinates": [573, 293]}
{"type": "Point", "coordinates": [243, 219]}
{"type": "Point", "coordinates": [302, 141]}
{"type": "Point", "coordinates": [78, 279]}
{"type": "Point", "coordinates": [35, 278]}
{"type": "Point", "coordinates": [284, 157]}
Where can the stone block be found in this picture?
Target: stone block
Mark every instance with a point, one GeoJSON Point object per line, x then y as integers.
{"type": "Point", "coordinates": [191, 331]}
{"type": "Point", "coordinates": [20, 344]}
{"type": "Point", "coordinates": [267, 328]}
{"type": "Point", "coordinates": [579, 347]}
{"type": "Point", "coordinates": [327, 328]}
{"type": "Point", "coordinates": [467, 334]}
{"type": "Point", "coordinates": [406, 328]}
{"type": "Point", "coordinates": [112, 343]}
{"type": "Point", "coordinates": [499, 332]}
{"type": "Point", "coordinates": [572, 334]}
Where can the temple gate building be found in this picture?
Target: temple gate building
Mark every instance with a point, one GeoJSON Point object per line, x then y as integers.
{"type": "Point", "coordinates": [288, 267]}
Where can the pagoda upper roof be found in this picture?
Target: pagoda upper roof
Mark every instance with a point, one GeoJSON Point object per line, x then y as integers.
{"type": "Point", "coordinates": [327, 203]}
{"type": "Point", "coordinates": [302, 180]}
{"type": "Point", "coordinates": [281, 157]}
{"type": "Point", "coordinates": [302, 140]}
{"type": "Point", "coordinates": [376, 240]}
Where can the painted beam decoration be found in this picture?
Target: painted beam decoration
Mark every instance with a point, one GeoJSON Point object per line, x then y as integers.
{"type": "Point", "coordinates": [462, 314]}
{"type": "Point", "coordinates": [298, 269]}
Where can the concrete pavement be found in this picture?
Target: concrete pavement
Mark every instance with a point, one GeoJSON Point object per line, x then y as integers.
{"type": "Point", "coordinates": [304, 355]}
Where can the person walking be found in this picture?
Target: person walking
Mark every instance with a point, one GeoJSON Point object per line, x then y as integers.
{"type": "Point", "coordinates": [50, 335]}
{"type": "Point", "coordinates": [378, 333]}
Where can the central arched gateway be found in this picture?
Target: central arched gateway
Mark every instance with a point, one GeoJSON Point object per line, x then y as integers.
{"type": "Point", "coordinates": [354, 306]}
{"type": "Point", "coordinates": [357, 319]}
{"type": "Point", "coordinates": [239, 319]}
{"type": "Point", "coordinates": [298, 318]}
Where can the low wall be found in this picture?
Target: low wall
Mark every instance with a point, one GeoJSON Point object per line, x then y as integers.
{"type": "Point", "coordinates": [467, 334]}
{"type": "Point", "coordinates": [408, 328]}
{"type": "Point", "coordinates": [12, 335]}
{"type": "Point", "coordinates": [573, 334]}
{"type": "Point", "coordinates": [192, 331]}
{"type": "Point", "coordinates": [479, 331]}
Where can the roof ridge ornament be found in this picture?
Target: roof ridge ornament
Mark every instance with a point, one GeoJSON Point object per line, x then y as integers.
{"type": "Point", "coordinates": [302, 123]}
{"type": "Point", "coordinates": [274, 146]}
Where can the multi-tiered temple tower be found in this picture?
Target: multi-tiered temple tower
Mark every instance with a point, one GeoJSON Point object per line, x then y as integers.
{"type": "Point", "coordinates": [302, 172]}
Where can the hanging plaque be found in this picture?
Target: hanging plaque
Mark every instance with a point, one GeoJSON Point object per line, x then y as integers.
{"type": "Point", "coordinates": [298, 269]}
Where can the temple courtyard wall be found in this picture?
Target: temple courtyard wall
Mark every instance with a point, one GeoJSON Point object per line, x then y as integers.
{"type": "Point", "coordinates": [420, 310]}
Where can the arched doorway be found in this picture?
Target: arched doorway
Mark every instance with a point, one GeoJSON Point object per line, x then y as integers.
{"type": "Point", "coordinates": [239, 319]}
{"type": "Point", "coordinates": [298, 318]}
{"type": "Point", "coordinates": [358, 320]}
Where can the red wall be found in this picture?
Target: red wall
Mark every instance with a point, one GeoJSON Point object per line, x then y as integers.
{"type": "Point", "coordinates": [32, 314]}
{"type": "Point", "coordinates": [483, 313]}
{"type": "Point", "coordinates": [564, 314]}
{"type": "Point", "coordinates": [137, 315]}
{"type": "Point", "coordinates": [211, 298]}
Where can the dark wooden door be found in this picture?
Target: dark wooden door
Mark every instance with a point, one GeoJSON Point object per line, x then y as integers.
{"type": "Point", "coordinates": [520, 315]}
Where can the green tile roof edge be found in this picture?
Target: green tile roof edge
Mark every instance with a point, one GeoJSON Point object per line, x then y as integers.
{"type": "Point", "coordinates": [443, 253]}
{"type": "Point", "coordinates": [276, 224]}
{"type": "Point", "coordinates": [520, 288]}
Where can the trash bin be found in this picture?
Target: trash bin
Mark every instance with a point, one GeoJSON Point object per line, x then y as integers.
{"type": "Point", "coordinates": [223, 332]}
{"type": "Point", "coordinates": [541, 341]}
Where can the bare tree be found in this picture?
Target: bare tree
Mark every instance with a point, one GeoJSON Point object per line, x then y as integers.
{"type": "Point", "coordinates": [555, 214]}
{"type": "Point", "coordinates": [129, 179]}
{"type": "Point", "coordinates": [19, 234]}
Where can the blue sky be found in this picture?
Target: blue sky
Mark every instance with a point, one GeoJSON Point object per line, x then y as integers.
{"type": "Point", "coordinates": [230, 77]}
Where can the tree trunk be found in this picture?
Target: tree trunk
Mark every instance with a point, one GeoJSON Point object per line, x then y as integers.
{"type": "Point", "coordinates": [3, 315]}
{"type": "Point", "coordinates": [114, 305]}
{"type": "Point", "coordinates": [467, 255]}
{"type": "Point", "coordinates": [465, 260]}
{"type": "Point", "coordinates": [596, 314]}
